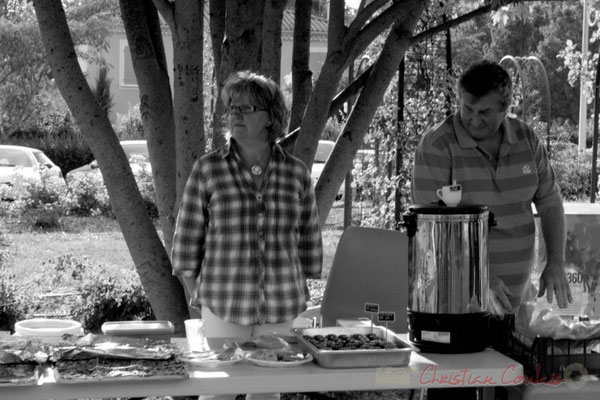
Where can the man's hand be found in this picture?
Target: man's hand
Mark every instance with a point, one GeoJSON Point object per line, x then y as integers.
{"type": "Point", "coordinates": [554, 281]}
{"type": "Point", "coordinates": [499, 302]}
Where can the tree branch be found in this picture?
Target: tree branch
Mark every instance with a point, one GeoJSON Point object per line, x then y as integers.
{"type": "Point", "coordinates": [363, 15]}
{"type": "Point", "coordinates": [337, 27]}
{"type": "Point", "coordinates": [353, 88]}
{"type": "Point", "coordinates": [459, 20]}
{"type": "Point", "coordinates": [357, 44]}
{"type": "Point", "coordinates": [165, 8]}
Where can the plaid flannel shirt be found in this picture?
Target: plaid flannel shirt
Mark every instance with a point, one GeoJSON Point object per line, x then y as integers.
{"type": "Point", "coordinates": [250, 250]}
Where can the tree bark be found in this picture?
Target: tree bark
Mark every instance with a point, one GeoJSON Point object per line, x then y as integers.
{"type": "Point", "coordinates": [301, 73]}
{"type": "Point", "coordinates": [241, 46]}
{"type": "Point", "coordinates": [271, 39]}
{"type": "Point", "coordinates": [188, 47]}
{"type": "Point", "coordinates": [217, 32]}
{"type": "Point", "coordinates": [150, 66]}
{"type": "Point", "coordinates": [150, 258]}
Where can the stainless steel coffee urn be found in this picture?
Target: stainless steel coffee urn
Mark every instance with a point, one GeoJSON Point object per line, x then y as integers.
{"type": "Point", "coordinates": [448, 279]}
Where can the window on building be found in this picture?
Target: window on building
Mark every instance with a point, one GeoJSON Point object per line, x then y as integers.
{"type": "Point", "coordinates": [126, 74]}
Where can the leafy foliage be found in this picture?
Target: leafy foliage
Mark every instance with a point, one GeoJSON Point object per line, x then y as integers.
{"type": "Point", "coordinates": [102, 90]}
{"type": "Point", "coordinates": [573, 170]}
{"type": "Point", "coordinates": [91, 294]}
{"type": "Point", "coordinates": [24, 73]}
{"type": "Point", "coordinates": [87, 196]}
{"type": "Point", "coordinates": [114, 296]}
{"type": "Point", "coordinates": [542, 34]}
{"type": "Point", "coordinates": [57, 135]}
{"type": "Point", "coordinates": [12, 306]}
{"type": "Point", "coordinates": [130, 126]}
{"type": "Point", "coordinates": [39, 204]}
{"type": "Point", "coordinates": [25, 78]}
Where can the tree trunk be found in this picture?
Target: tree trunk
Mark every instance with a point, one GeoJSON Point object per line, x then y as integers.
{"type": "Point", "coordinates": [243, 36]}
{"type": "Point", "coordinates": [150, 66]}
{"type": "Point", "coordinates": [150, 258]}
{"type": "Point", "coordinates": [271, 39]}
{"type": "Point", "coordinates": [217, 32]}
{"type": "Point", "coordinates": [325, 89]}
{"type": "Point", "coordinates": [301, 73]}
{"type": "Point", "coordinates": [188, 47]}
{"type": "Point", "coordinates": [241, 46]}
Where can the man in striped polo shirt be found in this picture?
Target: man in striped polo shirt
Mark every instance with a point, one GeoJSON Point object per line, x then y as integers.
{"type": "Point", "coordinates": [500, 163]}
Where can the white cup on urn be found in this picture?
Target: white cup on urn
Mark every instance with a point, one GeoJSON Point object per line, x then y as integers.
{"type": "Point", "coordinates": [450, 194]}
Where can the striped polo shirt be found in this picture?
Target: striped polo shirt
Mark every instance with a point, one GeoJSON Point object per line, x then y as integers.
{"type": "Point", "coordinates": [522, 175]}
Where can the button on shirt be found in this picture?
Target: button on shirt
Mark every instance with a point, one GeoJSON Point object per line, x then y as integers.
{"type": "Point", "coordinates": [250, 249]}
{"type": "Point", "coordinates": [521, 175]}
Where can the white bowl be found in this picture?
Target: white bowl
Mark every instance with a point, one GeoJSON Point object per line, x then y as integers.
{"type": "Point", "coordinates": [47, 328]}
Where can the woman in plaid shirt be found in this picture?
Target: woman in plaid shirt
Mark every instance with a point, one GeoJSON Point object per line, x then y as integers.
{"type": "Point", "coordinates": [247, 234]}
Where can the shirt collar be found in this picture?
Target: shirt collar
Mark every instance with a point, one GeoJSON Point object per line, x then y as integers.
{"type": "Point", "coordinates": [230, 144]}
{"type": "Point", "coordinates": [466, 141]}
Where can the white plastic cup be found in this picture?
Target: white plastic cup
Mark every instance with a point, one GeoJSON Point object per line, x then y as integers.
{"type": "Point", "coordinates": [194, 332]}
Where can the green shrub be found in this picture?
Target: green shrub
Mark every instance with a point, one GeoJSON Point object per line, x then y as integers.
{"type": "Point", "coordinates": [59, 137]}
{"type": "Point", "coordinates": [42, 204]}
{"type": "Point", "coordinates": [130, 126]}
{"type": "Point", "coordinates": [38, 204]}
{"type": "Point", "coordinates": [111, 296]}
{"type": "Point", "coordinates": [94, 294]}
{"type": "Point", "coordinates": [573, 175]}
{"type": "Point", "coordinates": [573, 170]}
{"type": "Point", "coordinates": [12, 307]}
{"type": "Point", "coordinates": [332, 129]}
{"type": "Point", "coordinates": [87, 196]}
{"type": "Point", "coordinates": [102, 92]}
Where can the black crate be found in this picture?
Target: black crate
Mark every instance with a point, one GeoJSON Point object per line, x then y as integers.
{"type": "Point", "coordinates": [548, 358]}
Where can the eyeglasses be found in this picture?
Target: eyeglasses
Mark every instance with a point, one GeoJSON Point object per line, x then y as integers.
{"type": "Point", "coordinates": [243, 109]}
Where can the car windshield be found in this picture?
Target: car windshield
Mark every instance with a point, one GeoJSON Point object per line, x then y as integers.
{"type": "Point", "coordinates": [135, 148]}
{"type": "Point", "coordinates": [323, 151]}
{"type": "Point", "coordinates": [13, 157]}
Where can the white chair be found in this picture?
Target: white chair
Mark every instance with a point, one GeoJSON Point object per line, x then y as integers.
{"type": "Point", "coordinates": [370, 266]}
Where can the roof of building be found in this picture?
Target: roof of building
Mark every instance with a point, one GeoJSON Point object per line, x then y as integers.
{"type": "Point", "coordinates": [318, 27]}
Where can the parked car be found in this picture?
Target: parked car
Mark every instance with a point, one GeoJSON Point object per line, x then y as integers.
{"type": "Point", "coordinates": [23, 163]}
{"type": "Point", "coordinates": [131, 148]}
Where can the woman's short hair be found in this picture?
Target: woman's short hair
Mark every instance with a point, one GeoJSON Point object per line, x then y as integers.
{"type": "Point", "coordinates": [485, 76]}
{"type": "Point", "coordinates": [262, 92]}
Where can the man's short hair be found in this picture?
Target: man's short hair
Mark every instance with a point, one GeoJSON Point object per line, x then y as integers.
{"type": "Point", "coordinates": [485, 76]}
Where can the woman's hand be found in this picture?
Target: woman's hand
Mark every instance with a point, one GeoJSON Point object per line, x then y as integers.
{"type": "Point", "coordinates": [498, 299]}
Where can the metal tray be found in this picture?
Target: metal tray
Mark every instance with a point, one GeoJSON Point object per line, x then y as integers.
{"type": "Point", "coordinates": [139, 329]}
{"type": "Point", "coordinates": [357, 358]}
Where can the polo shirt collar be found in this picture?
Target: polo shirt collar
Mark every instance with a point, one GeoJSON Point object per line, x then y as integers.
{"type": "Point", "coordinates": [466, 141]}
